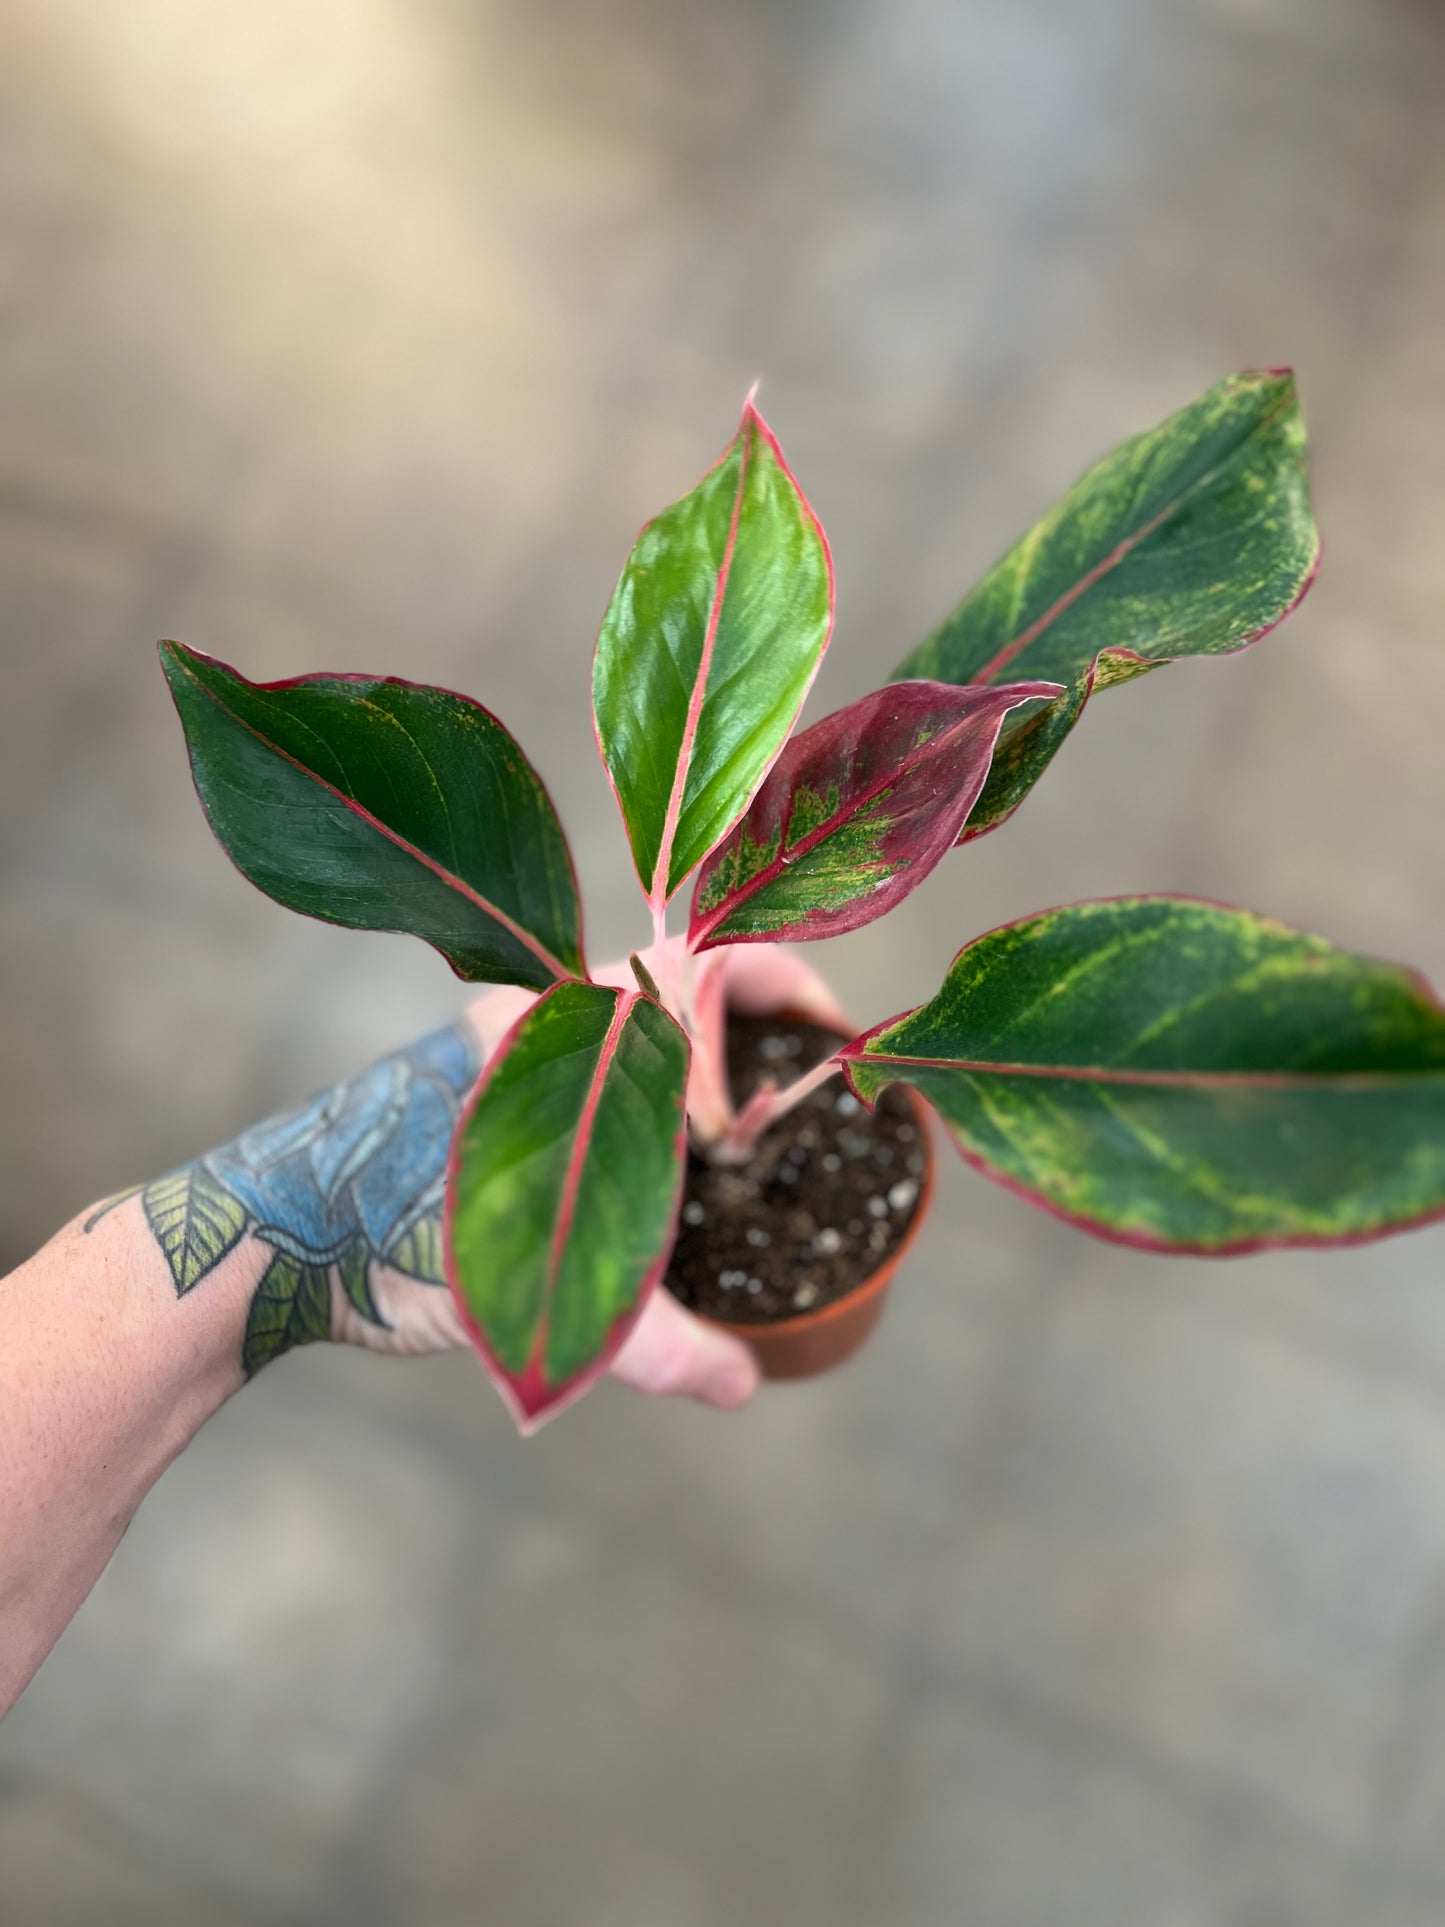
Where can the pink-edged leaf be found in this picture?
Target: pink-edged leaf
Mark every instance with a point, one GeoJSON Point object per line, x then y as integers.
{"type": "Point", "coordinates": [563, 1188]}
{"type": "Point", "coordinates": [855, 813]}
{"type": "Point", "coordinates": [1195, 538]}
{"type": "Point", "coordinates": [1182, 1076]}
{"type": "Point", "coordinates": [384, 805]}
{"type": "Point", "coordinates": [709, 645]}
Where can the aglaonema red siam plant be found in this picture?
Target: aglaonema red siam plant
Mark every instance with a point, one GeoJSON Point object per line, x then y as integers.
{"type": "Point", "coordinates": [1167, 1073]}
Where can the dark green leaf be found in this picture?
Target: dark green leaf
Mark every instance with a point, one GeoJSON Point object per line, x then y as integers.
{"type": "Point", "coordinates": [563, 1190]}
{"type": "Point", "coordinates": [194, 1220]}
{"type": "Point", "coordinates": [1190, 540]}
{"type": "Point", "coordinates": [715, 631]}
{"type": "Point", "coordinates": [1183, 1076]}
{"type": "Point", "coordinates": [385, 805]}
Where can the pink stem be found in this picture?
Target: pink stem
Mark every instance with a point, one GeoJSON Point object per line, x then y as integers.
{"type": "Point", "coordinates": [663, 964]}
{"type": "Point", "coordinates": [709, 1102]}
{"type": "Point", "coordinates": [764, 1108]}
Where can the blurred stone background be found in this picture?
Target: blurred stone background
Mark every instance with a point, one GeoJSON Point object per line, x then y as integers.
{"type": "Point", "coordinates": [363, 335]}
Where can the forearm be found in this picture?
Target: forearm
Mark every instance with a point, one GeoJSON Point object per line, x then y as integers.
{"type": "Point", "coordinates": [133, 1325]}
{"type": "Point", "coordinates": [105, 1377]}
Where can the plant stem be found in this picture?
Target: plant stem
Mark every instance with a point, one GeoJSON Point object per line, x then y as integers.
{"type": "Point", "coordinates": [664, 966]}
{"type": "Point", "coordinates": [709, 1101]}
{"type": "Point", "coordinates": [763, 1109]}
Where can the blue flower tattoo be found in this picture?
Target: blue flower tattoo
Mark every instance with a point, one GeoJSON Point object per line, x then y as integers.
{"type": "Point", "coordinates": [352, 1179]}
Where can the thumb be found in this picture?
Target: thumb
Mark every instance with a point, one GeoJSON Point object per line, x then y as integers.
{"type": "Point", "coordinates": [670, 1352]}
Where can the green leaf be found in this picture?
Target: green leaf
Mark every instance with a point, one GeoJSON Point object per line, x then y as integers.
{"type": "Point", "coordinates": [292, 1306]}
{"type": "Point", "coordinates": [1183, 1076]}
{"type": "Point", "coordinates": [194, 1220]}
{"type": "Point", "coordinates": [707, 650]}
{"type": "Point", "coordinates": [562, 1195]}
{"type": "Point", "coordinates": [1192, 539]}
{"type": "Point", "coordinates": [385, 805]}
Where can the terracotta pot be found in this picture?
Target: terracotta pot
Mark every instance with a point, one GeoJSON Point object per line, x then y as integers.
{"type": "Point", "coordinates": [816, 1341]}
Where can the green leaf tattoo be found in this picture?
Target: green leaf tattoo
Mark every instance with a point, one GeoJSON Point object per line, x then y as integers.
{"type": "Point", "coordinates": [292, 1306]}
{"type": "Point", "coordinates": [418, 1252]}
{"type": "Point", "coordinates": [194, 1220]}
{"type": "Point", "coordinates": [354, 1269]}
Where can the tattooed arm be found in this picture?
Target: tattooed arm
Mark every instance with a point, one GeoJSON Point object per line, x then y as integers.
{"type": "Point", "coordinates": [136, 1322]}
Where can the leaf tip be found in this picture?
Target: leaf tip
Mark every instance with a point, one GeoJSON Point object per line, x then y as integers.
{"type": "Point", "coordinates": [179, 659]}
{"type": "Point", "coordinates": [753, 418]}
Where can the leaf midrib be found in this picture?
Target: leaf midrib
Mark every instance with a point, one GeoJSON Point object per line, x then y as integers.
{"type": "Point", "coordinates": [1161, 1079]}
{"type": "Point", "coordinates": [659, 892]}
{"type": "Point", "coordinates": [627, 1001]}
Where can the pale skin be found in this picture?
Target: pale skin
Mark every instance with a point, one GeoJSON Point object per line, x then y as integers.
{"type": "Point", "coordinates": [112, 1359]}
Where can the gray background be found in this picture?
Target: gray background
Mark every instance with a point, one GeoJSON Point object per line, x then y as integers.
{"type": "Point", "coordinates": [362, 334]}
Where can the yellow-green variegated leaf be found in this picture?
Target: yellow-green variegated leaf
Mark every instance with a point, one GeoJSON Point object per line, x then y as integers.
{"type": "Point", "coordinates": [1192, 539]}
{"type": "Point", "coordinates": [1182, 1076]}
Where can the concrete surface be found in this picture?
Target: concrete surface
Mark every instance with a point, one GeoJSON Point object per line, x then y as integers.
{"type": "Point", "coordinates": [1104, 1589]}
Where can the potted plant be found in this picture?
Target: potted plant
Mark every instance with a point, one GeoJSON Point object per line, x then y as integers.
{"type": "Point", "coordinates": [1160, 1071]}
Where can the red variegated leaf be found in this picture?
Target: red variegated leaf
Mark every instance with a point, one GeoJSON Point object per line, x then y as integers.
{"type": "Point", "coordinates": [855, 813]}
